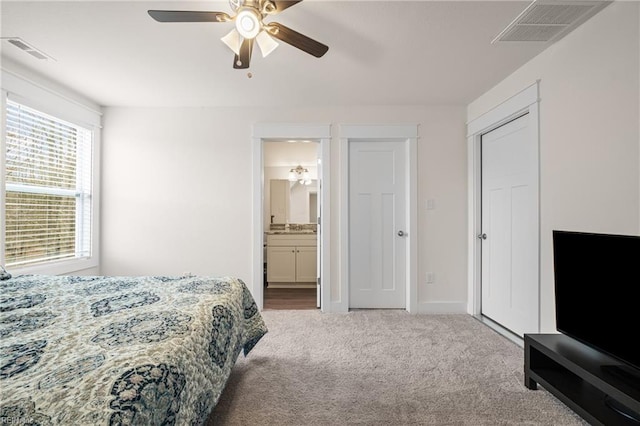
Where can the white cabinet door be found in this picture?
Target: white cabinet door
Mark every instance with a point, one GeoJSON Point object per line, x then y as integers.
{"type": "Point", "coordinates": [281, 264]}
{"type": "Point", "coordinates": [306, 264]}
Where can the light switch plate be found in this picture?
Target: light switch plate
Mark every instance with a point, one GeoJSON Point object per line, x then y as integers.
{"type": "Point", "coordinates": [431, 204]}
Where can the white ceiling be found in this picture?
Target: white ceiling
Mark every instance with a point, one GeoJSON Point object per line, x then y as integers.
{"type": "Point", "coordinates": [380, 53]}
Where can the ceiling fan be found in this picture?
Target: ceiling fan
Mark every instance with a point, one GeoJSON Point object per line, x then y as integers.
{"type": "Point", "coordinates": [249, 26]}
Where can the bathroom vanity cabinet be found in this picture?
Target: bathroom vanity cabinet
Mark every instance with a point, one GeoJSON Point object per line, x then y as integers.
{"type": "Point", "coordinates": [292, 259]}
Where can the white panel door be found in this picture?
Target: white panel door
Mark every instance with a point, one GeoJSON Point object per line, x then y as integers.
{"type": "Point", "coordinates": [510, 227]}
{"type": "Point", "coordinates": [377, 212]}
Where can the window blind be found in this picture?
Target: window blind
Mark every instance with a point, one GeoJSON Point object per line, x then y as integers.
{"type": "Point", "coordinates": [48, 188]}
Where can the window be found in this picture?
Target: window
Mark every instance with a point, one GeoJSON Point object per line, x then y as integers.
{"type": "Point", "coordinates": [48, 198]}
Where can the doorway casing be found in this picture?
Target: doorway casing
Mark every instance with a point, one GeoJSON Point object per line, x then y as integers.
{"type": "Point", "coordinates": [268, 132]}
{"type": "Point", "coordinates": [524, 102]}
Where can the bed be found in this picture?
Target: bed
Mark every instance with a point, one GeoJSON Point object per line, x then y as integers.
{"type": "Point", "coordinates": [95, 350]}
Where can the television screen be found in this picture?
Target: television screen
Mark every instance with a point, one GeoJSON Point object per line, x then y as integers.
{"type": "Point", "coordinates": [597, 290]}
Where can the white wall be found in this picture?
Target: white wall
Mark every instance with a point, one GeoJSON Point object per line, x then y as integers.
{"type": "Point", "coordinates": [177, 191]}
{"type": "Point", "coordinates": [589, 131]}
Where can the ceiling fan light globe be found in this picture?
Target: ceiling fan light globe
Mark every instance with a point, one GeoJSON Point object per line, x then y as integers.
{"type": "Point", "coordinates": [248, 23]}
{"type": "Point", "coordinates": [233, 41]}
{"type": "Point", "coordinates": [266, 43]}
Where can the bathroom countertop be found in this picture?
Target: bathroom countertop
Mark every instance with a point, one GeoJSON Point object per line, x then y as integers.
{"type": "Point", "coordinates": [289, 232]}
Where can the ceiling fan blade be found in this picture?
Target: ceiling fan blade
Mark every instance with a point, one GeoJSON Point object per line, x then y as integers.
{"type": "Point", "coordinates": [188, 16]}
{"type": "Point", "coordinates": [242, 61]}
{"type": "Point", "coordinates": [284, 4]}
{"type": "Point", "coordinates": [296, 39]}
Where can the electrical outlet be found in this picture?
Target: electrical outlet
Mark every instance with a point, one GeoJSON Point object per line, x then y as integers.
{"type": "Point", "coordinates": [431, 277]}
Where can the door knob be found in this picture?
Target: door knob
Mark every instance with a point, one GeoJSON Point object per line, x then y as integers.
{"type": "Point", "coordinates": [482, 236]}
{"type": "Point", "coordinates": [401, 234]}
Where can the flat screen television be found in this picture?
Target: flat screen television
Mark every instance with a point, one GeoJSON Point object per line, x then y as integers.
{"type": "Point", "coordinates": [597, 291]}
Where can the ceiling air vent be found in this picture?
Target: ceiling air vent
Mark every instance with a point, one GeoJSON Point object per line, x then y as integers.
{"type": "Point", "coordinates": [23, 45]}
{"type": "Point", "coordinates": [549, 20]}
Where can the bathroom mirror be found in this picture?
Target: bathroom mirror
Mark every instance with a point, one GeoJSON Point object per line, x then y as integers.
{"type": "Point", "coordinates": [292, 202]}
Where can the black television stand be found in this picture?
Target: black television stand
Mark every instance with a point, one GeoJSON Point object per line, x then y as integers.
{"type": "Point", "coordinates": [624, 373]}
{"type": "Point", "coordinates": [580, 377]}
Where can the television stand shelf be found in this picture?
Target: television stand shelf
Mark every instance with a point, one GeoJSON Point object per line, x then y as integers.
{"type": "Point", "coordinates": [574, 373]}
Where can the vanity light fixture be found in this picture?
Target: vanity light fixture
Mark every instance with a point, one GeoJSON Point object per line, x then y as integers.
{"type": "Point", "coordinates": [301, 175]}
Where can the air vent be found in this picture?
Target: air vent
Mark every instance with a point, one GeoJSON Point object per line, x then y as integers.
{"type": "Point", "coordinates": [23, 45]}
{"type": "Point", "coordinates": [549, 20]}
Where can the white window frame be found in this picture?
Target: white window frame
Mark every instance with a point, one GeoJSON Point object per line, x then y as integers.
{"type": "Point", "coordinates": [42, 98]}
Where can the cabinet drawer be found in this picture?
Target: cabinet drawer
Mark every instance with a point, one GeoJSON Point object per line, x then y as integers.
{"type": "Point", "coordinates": [301, 240]}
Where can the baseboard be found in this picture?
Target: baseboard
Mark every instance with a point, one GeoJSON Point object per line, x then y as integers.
{"type": "Point", "coordinates": [442, 308]}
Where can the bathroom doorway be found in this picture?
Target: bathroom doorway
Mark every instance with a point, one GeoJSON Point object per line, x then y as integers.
{"type": "Point", "coordinates": [319, 135]}
{"type": "Point", "coordinates": [291, 208]}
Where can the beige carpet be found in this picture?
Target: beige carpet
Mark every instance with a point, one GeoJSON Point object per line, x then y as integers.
{"type": "Point", "coordinates": [383, 368]}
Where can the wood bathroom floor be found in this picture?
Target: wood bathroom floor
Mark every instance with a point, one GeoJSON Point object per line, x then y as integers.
{"type": "Point", "coordinates": [289, 298]}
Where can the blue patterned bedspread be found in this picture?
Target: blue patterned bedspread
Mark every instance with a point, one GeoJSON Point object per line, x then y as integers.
{"type": "Point", "coordinates": [120, 350]}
